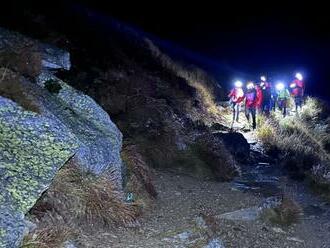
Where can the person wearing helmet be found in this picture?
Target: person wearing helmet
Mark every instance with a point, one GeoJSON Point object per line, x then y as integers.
{"type": "Point", "coordinates": [283, 96]}
{"type": "Point", "coordinates": [297, 91]}
{"type": "Point", "coordinates": [236, 97]}
{"type": "Point", "coordinates": [267, 96]}
{"type": "Point", "coordinates": [251, 103]}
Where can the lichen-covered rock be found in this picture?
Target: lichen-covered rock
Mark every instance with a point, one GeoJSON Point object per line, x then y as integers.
{"type": "Point", "coordinates": [54, 58]}
{"type": "Point", "coordinates": [32, 149]}
{"type": "Point", "coordinates": [33, 146]}
{"type": "Point", "coordinates": [42, 126]}
{"type": "Point", "coordinates": [100, 140]}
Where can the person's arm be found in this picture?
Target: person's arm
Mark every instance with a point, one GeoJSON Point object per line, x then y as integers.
{"type": "Point", "coordinates": [231, 93]}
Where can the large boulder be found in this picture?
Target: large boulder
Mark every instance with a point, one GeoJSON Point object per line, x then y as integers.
{"type": "Point", "coordinates": [236, 144]}
{"type": "Point", "coordinates": [99, 139]}
{"type": "Point", "coordinates": [42, 126]}
{"type": "Point", "coordinates": [32, 148]}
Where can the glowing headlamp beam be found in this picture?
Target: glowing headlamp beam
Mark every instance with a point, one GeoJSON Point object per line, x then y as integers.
{"type": "Point", "coordinates": [280, 86]}
{"type": "Point", "coordinates": [299, 76]}
{"type": "Point", "coordinates": [238, 84]}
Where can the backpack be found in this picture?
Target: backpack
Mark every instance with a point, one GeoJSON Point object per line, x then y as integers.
{"type": "Point", "coordinates": [251, 95]}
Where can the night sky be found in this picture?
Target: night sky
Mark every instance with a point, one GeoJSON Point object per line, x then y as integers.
{"type": "Point", "coordinates": [234, 41]}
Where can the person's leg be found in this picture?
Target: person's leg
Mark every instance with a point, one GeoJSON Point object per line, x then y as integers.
{"type": "Point", "coordinates": [247, 113]}
{"type": "Point", "coordinates": [234, 111]}
{"type": "Point", "coordinates": [296, 103]}
{"type": "Point", "coordinates": [279, 104]}
{"type": "Point", "coordinates": [237, 111]}
{"type": "Point", "coordinates": [284, 107]}
{"type": "Point", "coordinates": [299, 104]}
{"type": "Point", "coordinates": [253, 113]}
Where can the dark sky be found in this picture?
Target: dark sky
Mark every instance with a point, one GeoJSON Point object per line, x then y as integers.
{"type": "Point", "coordinates": [277, 39]}
{"type": "Point", "coordinates": [239, 40]}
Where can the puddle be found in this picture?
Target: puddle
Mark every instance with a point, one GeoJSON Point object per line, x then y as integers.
{"type": "Point", "coordinates": [261, 179]}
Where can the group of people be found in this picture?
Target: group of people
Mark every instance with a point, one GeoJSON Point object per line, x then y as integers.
{"type": "Point", "coordinates": [264, 97]}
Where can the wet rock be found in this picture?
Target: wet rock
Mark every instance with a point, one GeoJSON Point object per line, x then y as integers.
{"type": "Point", "coordinates": [294, 239]}
{"type": "Point", "coordinates": [236, 144]}
{"type": "Point", "coordinates": [215, 243]}
{"type": "Point", "coordinates": [200, 222]}
{"type": "Point", "coordinates": [278, 230]}
{"type": "Point", "coordinates": [184, 236]}
{"type": "Point", "coordinates": [69, 244]}
{"type": "Point", "coordinates": [246, 214]}
{"type": "Point", "coordinates": [252, 213]}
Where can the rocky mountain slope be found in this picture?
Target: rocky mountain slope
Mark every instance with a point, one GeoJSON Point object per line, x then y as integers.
{"type": "Point", "coordinates": [164, 111]}
{"type": "Point", "coordinates": [71, 176]}
{"type": "Point", "coordinates": [45, 123]}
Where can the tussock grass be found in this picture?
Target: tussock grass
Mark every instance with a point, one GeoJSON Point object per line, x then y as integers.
{"type": "Point", "coordinates": [196, 78]}
{"type": "Point", "coordinates": [24, 59]}
{"type": "Point", "coordinates": [52, 233]}
{"type": "Point", "coordinates": [287, 213]}
{"type": "Point", "coordinates": [295, 135]}
{"type": "Point", "coordinates": [139, 176]}
{"type": "Point", "coordinates": [11, 87]}
{"type": "Point", "coordinates": [301, 143]}
{"type": "Point", "coordinates": [86, 200]}
{"type": "Point", "coordinates": [205, 157]}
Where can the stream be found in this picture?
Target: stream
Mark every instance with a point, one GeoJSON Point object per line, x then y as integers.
{"type": "Point", "coordinates": [266, 179]}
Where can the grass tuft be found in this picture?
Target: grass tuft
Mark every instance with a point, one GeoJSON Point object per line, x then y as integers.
{"type": "Point", "coordinates": [13, 88]}
{"type": "Point", "coordinates": [286, 214]}
{"type": "Point", "coordinates": [86, 200]}
{"type": "Point", "coordinates": [139, 176]}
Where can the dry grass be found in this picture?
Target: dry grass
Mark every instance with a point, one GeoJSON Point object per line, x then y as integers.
{"type": "Point", "coordinates": [139, 178]}
{"type": "Point", "coordinates": [85, 200]}
{"type": "Point", "coordinates": [24, 59]}
{"type": "Point", "coordinates": [286, 214]}
{"type": "Point", "coordinates": [296, 135]}
{"type": "Point", "coordinates": [196, 78]}
{"type": "Point", "coordinates": [301, 143]}
{"type": "Point", "coordinates": [12, 87]}
{"type": "Point", "coordinates": [52, 234]}
{"type": "Point", "coordinates": [311, 109]}
{"type": "Point", "coordinates": [217, 157]}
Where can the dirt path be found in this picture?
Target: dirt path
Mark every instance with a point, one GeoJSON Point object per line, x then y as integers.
{"type": "Point", "coordinates": [186, 215]}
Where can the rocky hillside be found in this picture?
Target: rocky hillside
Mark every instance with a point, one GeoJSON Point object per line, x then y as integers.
{"type": "Point", "coordinates": [60, 152]}
{"type": "Point", "coordinates": [44, 124]}
{"type": "Point", "coordinates": [164, 108]}
{"type": "Point", "coordinates": [69, 172]}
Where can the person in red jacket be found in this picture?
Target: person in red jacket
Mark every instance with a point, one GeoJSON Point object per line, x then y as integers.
{"type": "Point", "coordinates": [259, 98]}
{"type": "Point", "coordinates": [236, 96]}
{"type": "Point", "coordinates": [251, 103]}
{"type": "Point", "coordinates": [297, 91]}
